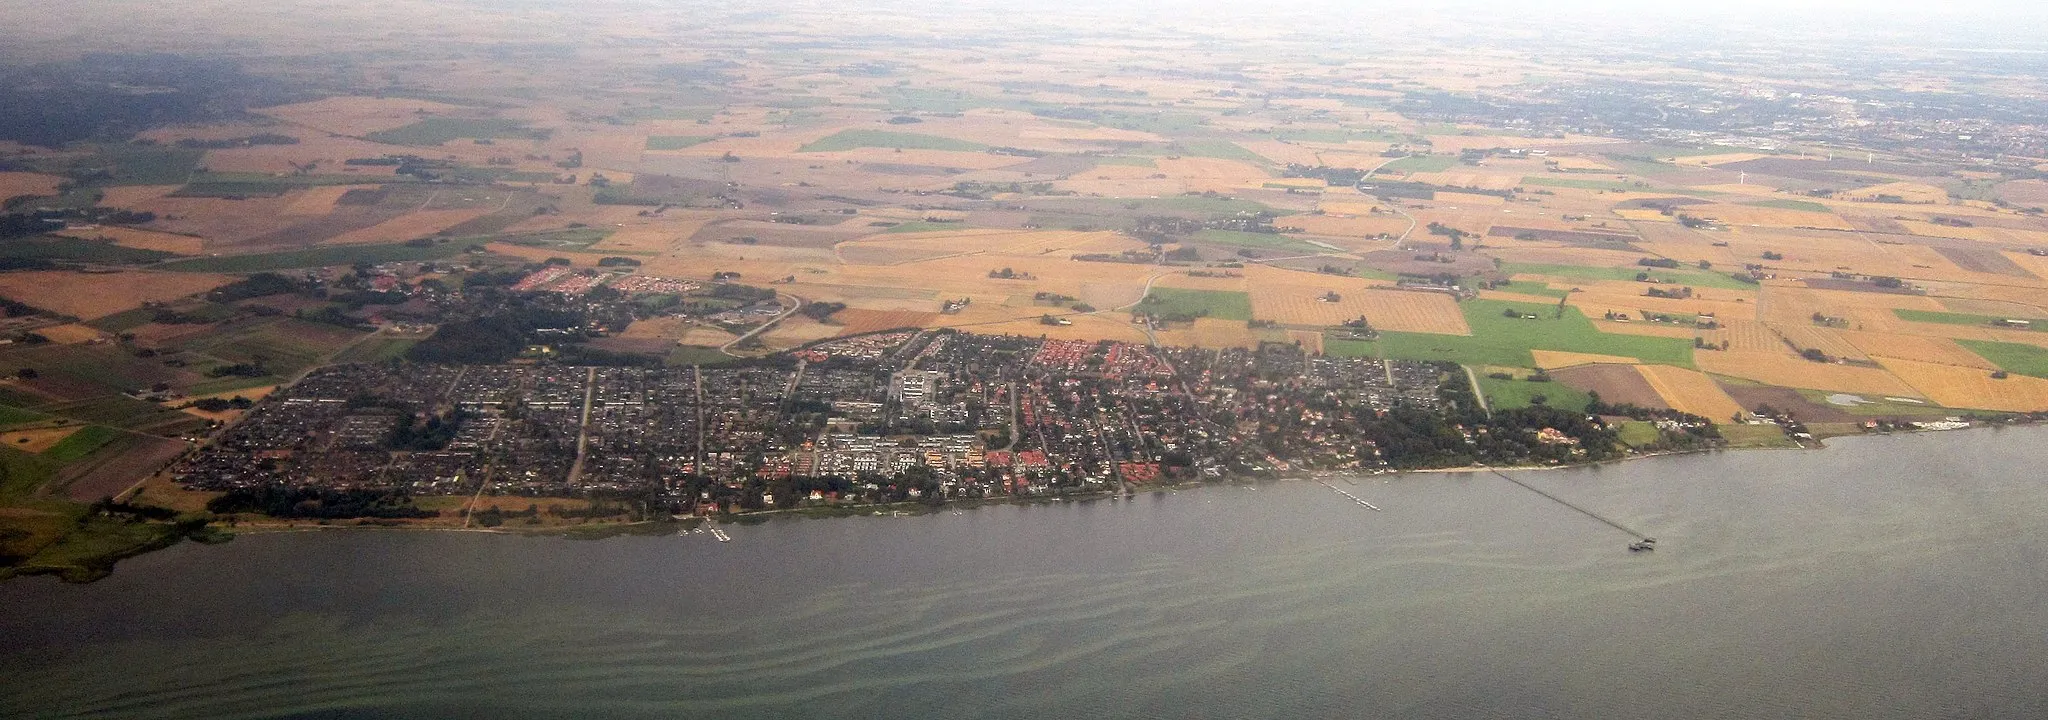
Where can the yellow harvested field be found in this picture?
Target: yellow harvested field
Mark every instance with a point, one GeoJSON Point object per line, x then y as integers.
{"type": "Point", "coordinates": [1483, 181]}
{"type": "Point", "coordinates": [1354, 226]}
{"type": "Point", "coordinates": [1998, 308]}
{"type": "Point", "coordinates": [357, 115]}
{"type": "Point", "coordinates": [1197, 174]}
{"type": "Point", "coordinates": [314, 149]}
{"type": "Point", "coordinates": [36, 440]}
{"type": "Point", "coordinates": [1909, 192]}
{"type": "Point", "coordinates": [797, 330]}
{"type": "Point", "coordinates": [1786, 369]}
{"type": "Point", "coordinates": [1210, 333]}
{"type": "Point", "coordinates": [1554, 359]}
{"type": "Point", "coordinates": [70, 334]}
{"type": "Point", "coordinates": [316, 201]}
{"type": "Point", "coordinates": [1770, 217]}
{"type": "Point", "coordinates": [854, 321]}
{"type": "Point", "coordinates": [655, 239]}
{"type": "Point", "coordinates": [15, 184]}
{"type": "Point", "coordinates": [662, 328]}
{"type": "Point", "coordinates": [1813, 337]}
{"type": "Point", "coordinates": [1643, 328]}
{"type": "Point", "coordinates": [1084, 327]}
{"type": "Point", "coordinates": [94, 295]}
{"type": "Point", "coordinates": [705, 335]}
{"type": "Point", "coordinates": [1349, 207]}
{"type": "Point", "coordinates": [1034, 244]}
{"type": "Point", "coordinates": [411, 225]}
{"type": "Point", "coordinates": [1469, 199]}
{"type": "Point", "coordinates": [1744, 335]}
{"type": "Point", "coordinates": [1311, 341]}
{"type": "Point", "coordinates": [1293, 303]}
{"type": "Point", "coordinates": [143, 239]}
{"type": "Point", "coordinates": [1965, 387]}
{"type": "Point", "coordinates": [1690, 391]}
{"type": "Point", "coordinates": [1917, 348]}
{"type": "Point", "coordinates": [1598, 299]}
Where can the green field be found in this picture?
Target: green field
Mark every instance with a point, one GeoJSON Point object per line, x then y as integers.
{"type": "Point", "coordinates": [1541, 181]}
{"type": "Point", "coordinates": [1636, 433]}
{"type": "Point", "coordinates": [1876, 405]}
{"type": "Point", "coordinates": [1499, 340]}
{"type": "Point", "coordinates": [697, 355]}
{"type": "Point", "coordinates": [2013, 357]}
{"type": "Point", "coordinates": [856, 139]}
{"type": "Point", "coordinates": [224, 185]}
{"type": "Point", "coordinates": [1221, 150]}
{"type": "Point", "coordinates": [1220, 304]}
{"type": "Point", "coordinates": [118, 411]}
{"type": "Point", "coordinates": [676, 142]}
{"type": "Point", "coordinates": [1423, 163]}
{"type": "Point", "coordinates": [570, 239]}
{"type": "Point", "coordinates": [918, 226]}
{"type": "Point", "coordinates": [284, 347]}
{"type": "Point", "coordinates": [1806, 205]}
{"type": "Point", "coordinates": [317, 257]}
{"type": "Point", "coordinates": [52, 247]}
{"type": "Point", "coordinates": [108, 367]}
{"type": "Point", "coordinates": [1267, 241]}
{"type": "Point", "coordinates": [10, 415]}
{"type": "Point", "coordinates": [142, 164]}
{"type": "Point", "coordinates": [435, 131]}
{"type": "Point", "coordinates": [1343, 136]}
{"type": "Point", "coordinates": [1949, 318]}
{"type": "Point", "coordinates": [1669, 276]}
{"type": "Point", "coordinates": [375, 350]}
{"type": "Point", "coordinates": [82, 443]}
{"type": "Point", "coordinates": [1510, 394]}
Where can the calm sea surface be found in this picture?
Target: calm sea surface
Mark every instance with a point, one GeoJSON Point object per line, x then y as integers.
{"type": "Point", "coordinates": [1902, 577]}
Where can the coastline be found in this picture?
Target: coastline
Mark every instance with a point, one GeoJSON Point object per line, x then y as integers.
{"type": "Point", "coordinates": [91, 568]}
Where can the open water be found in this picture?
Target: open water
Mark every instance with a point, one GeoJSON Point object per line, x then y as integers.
{"type": "Point", "coordinates": [1899, 577]}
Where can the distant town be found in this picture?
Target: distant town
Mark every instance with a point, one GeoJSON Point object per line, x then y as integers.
{"type": "Point", "coordinates": [889, 417]}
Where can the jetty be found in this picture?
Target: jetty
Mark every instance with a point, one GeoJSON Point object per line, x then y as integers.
{"type": "Point", "coordinates": [1354, 498]}
{"type": "Point", "coordinates": [1642, 542]}
{"type": "Point", "coordinates": [720, 534]}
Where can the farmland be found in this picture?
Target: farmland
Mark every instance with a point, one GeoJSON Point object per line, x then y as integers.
{"type": "Point", "coordinates": [1170, 302]}
{"type": "Point", "coordinates": [1504, 341]}
{"type": "Point", "coordinates": [654, 195]}
{"type": "Point", "coordinates": [2013, 357]}
{"type": "Point", "coordinates": [319, 257]}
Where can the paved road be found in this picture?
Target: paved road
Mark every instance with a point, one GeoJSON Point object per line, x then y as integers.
{"type": "Point", "coordinates": [727, 348]}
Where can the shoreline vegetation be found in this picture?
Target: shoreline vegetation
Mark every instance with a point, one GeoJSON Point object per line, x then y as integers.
{"type": "Point", "coordinates": [91, 555]}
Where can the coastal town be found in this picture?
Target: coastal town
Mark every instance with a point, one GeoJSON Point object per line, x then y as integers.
{"type": "Point", "coordinates": [889, 417]}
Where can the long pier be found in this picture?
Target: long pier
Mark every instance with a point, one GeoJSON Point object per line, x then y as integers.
{"type": "Point", "coordinates": [1354, 498]}
{"type": "Point", "coordinates": [1566, 503]}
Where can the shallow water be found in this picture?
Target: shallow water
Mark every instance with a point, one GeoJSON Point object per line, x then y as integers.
{"type": "Point", "coordinates": [1894, 577]}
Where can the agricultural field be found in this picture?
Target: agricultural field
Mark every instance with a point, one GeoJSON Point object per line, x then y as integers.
{"type": "Point", "coordinates": [1221, 305]}
{"type": "Point", "coordinates": [1496, 339]}
{"type": "Point", "coordinates": [99, 294]}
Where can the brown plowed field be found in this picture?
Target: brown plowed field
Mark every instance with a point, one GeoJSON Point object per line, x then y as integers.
{"type": "Point", "coordinates": [1618, 384]}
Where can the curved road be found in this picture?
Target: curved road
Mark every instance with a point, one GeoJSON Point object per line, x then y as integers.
{"type": "Point", "coordinates": [727, 348]}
